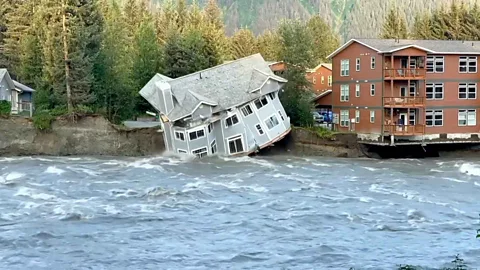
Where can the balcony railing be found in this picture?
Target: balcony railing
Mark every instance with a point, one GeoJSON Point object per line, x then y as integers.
{"type": "Point", "coordinates": [405, 130]}
{"type": "Point", "coordinates": [404, 102]}
{"type": "Point", "coordinates": [405, 73]}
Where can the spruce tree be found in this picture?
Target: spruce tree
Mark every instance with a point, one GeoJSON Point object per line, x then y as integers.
{"type": "Point", "coordinates": [395, 25]}
{"type": "Point", "coordinates": [325, 41]}
{"type": "Point", "coordinates": [422, 26]}
{"type": "Point", "coordinates": [214, 33]}
{"type": "Point", "coordinates": [243, 44]}
{"type": "Point", "coordinates": [269, 45]}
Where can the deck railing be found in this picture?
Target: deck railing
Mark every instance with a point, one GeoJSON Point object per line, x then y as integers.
{"type": "Point", "coordinates": [405, 130]}
{"type": "Point", "coordinates": [405, 73]}
{"type": "Point", "coordinates": [404, 101]}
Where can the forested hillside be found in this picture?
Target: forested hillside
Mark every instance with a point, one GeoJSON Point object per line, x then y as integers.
{"type": "Point", "coordinates": [350, 18]}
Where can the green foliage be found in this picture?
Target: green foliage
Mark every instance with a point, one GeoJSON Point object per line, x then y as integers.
{"type": "Point", "coordinates": [325, 40]}
{"type": "Point", "coordinates": [5, 107]}
{"type": "Point", "coordinates": [395, 25]}
{"type": "Point", "coordinates": [42, 120]}
{"type": "Point", "coordinates": [243, 44]}
{"type": "Point", "coordinates": [322, 132]}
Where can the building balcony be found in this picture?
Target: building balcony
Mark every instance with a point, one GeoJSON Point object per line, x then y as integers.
{"type": "Point", "coordinates": [404, 130]}
{"type": "Point", "coordinates": [404, 102]}
{"type": "Point", "coordinates": [404, 74]}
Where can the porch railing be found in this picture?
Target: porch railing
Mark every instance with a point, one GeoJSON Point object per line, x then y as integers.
{"type": "Point", "coordinates": [404, 130]}
{"type": "Point", "coordinates": [404, 101]}
{"type": "Point", "coordinates": [400, 73]}
{"type": "Point", "coordinates": [23, 108]}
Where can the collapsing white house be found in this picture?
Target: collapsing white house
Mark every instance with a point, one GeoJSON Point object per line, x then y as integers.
{"type": "Point", "coordinates": [230, 109]}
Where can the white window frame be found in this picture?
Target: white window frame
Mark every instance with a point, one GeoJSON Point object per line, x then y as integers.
{"type": "Point", "coordinates": [175, 132]}
{"type": "Point", "coordinates": [212, 145]}
{"type": "Point", "coordinates": [357, 64]}
{"type": "Point", "coordinates": [357, 90]}
{"type": "Point", "coordinates": [210, 128]}
{"type": "Point", "coordinates": [264, 98]}
{"type": "Point", "coordinates": [196, 131]}
{"type": "Point", "coordinates": [372, 116]}
{"type": "Point", "coordinates": [344, 118]}
{"type": "Point", "coordinates": [330, 80]}
{"type": "Point", "coordinates": [201, 153]}
{"type": "Point", "coordinates": [470, 62]}
{"type": "Point", "coordinates": [245, 111]}
{"type": "Point", "coordinates": [433, 113]}
{"type": "Point", "coordinates": [271, 96]}
{"type": "Point", "coordinates": [469, 116]}
{"type": "Point", "coordinates": [271, 118]}
{"type": "Point", "coordinates": [345, 68]}
{"type": "Point", "coordinates": [181, 151]}
{"type": "Point", "coordinates": [314, 80]}
{"type": "Point", "coordinates": [433, 63]}
{"type": "Point", "coordinates": [467, 92]}
{"type": "Point", "coordinates": [281, 115]}
{"type": "Point", "coordinates": [322, 80]}
{"type": "Point", "coordinates": [357, 116]}
{"type": "Point", "coordinates": [372, 89]}
{"type": "Point", "coordinates": [372, 62]}
{"type": "Point", "coordinates": [344, 92]}
{"type": "Point", "coordinates": [434, 87]}
{"type": "Point", "coordinates": [259, 129]}
{"type": "Point", "coordinates": [234, 138]}
{"type": "Point", "coordinates": [231, 117]}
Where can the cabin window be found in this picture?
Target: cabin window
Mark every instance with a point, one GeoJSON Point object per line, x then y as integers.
{"type": "Point", "coordinates": [467, 117]}
{"type": "Point", "coordinates": [247, 110]}
{"type": "Point", "coordinates": [435, 64]}
{"type": "Point", "coordinates": [345, 68]}
{"type": "Point", "coordinates": [357, 64]}
{"type": "Point", "coordinates": [372, 116]}
{"type": "Point", "coordinates": [329, 80]}
{"type": "Point", "coordinates": [259, 129]}
{"type": "Point", "coordinates": [232, 120]}
{"type": "Point", "coordinates": [357, 116]}
{"type": "Point", "coordinates": [281, 115]}
{"type": "Point", "coordinates": [467, 91]}
{"type": "Point", "coordinates": [213, 147]}
{"type": "Point", "coordinates": [344, 118]}
{"type": "Point", "coordinates": [180, 136]}
{"type": "Point", "coordinates": [314, 80]}
{"type": "Point", "coordinates": [467, 64]}
{"type": "Point", "coordinates": [434, 118]}
{"type": "Point", "coordinates": [181, 151]}
{"type": "Point", "coordinates": [271, 95]}
{"type": "Point", "coordinates": [235, 144]}
{"type": "Point", "coordinates": [210, 128]}
{"type": "Point", "coordinates": [197, 134]}
{"type": "Point", "coordinates": [344, 92]}
{"type": "Point", "coordinates": [272, 122]}
{"type": "Point", "coordinates": [201, 152]}
{"type": "Point", "coordinates": [372, 62]}
{"type": "Point", "coordinates": [259, 103]}
{"type": "Point", "coordinates": [372, 89]}
{"type": "Point", "coordinates": [323, 80]}
{"type": "Point", "coordinates": [357, 90]}
{"type": "Point", "coordinates": [434, 90]}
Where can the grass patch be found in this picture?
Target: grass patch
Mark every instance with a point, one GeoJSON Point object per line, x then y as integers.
{"type": "Point", "coordinates": [322, 132]}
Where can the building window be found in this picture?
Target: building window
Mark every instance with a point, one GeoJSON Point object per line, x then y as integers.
{"type": "Point", "coordinates": [434, 90]}
{"type": "Point", "coordinates": [357, 90]}
{"type": "Point", "coordinates": [281, 115]}
{"type": "Point", "coordinates": [259, 129]}
{"type": "Point", "coordinates": [232, 120]}
{"type": "Point", "coordinates": [180, 136]}
{"type": "Point", "coordinates": [272, 122]}
{"type": "Point", "coordinates": [247, 110]}
{"type": "Point", "coordinates": [467, 117]}
{"type": "Point", "coordinates": [235, 144]}
{"type": "Point", "coordinates": [357, 116]}
{"type": "Point", "coordinates": [467, 91]}
{"type": "Point", "coordinates": [344, 92]}
{"type": "Point", "coordinates": [344, 68]}
{"type": "Point", "coordinates": [434, 118]}
{"type": "Point", "coordinates": [259, 103]}
{"type": "Point", "coordinates": [323, 80]}
{"type": "Point", "coordinates": [181, 151]}
{"type": "Point", "coordinates": [344, 118]}
{"type": "Point", "coordinates": [467, 64]}
{"type": "Point", "coordinates": [329, 80]}
{"type": "Point", "coordinates": [202, 152]}
{"type": "Point", "coordinates": [435, 64]}
{"type": "Point", "coordinates": [372, 62]}
{"type": "Point", "coordinates": [314, 80]}
{"type": "Point", "coordinates": [210, 128]}
{"type": "Point", "coordinates": [372, 116]}
{"type": "Point", "coordinates": [196, 134]}
{"type": "Point", "coordinates": [372, 89]}
{"type": "Point", "coordinates": [357, 64]}
{"type": "Point", "coordinates": [213, 147]}
{"type": "Point", "coordinates": [271, 95]}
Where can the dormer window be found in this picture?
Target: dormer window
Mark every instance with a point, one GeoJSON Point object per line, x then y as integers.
{"type": "Point", "coordinates": [232, 120]}
{"type": "Point", "coordinates": [259, 103]}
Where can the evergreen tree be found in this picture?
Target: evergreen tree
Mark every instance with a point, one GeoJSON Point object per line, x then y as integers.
{"type": "Point", "coordinates": [243, 44]}
{"type": "Point", "coordinates": [439, 24]}
{"type": "Point", "coordinates": [422, 26]}
{"type": "Point", "coordinates": [166, 21]}
{"type": "Point", "coordinates": [395, 25]}
{"type": "Point", "coordinates": [325, 41]}
{"type": "Point", "coordinates": [269, 45]}
{"type": "Point", "coordinates": [214, 33]}
{"type": "Point", "coordinates": [6, 7]}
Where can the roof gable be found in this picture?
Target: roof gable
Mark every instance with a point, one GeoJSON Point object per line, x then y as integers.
{"type": "Point", "coordinates": [5, 75]}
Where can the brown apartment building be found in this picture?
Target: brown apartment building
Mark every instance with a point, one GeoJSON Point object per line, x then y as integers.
{"type": "Point", "coordinates": [403, 91]}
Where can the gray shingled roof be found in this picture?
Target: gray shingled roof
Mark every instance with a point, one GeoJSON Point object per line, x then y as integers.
{"type": "Point", "coordinates": [22, 87]}
{"type": "Point", "coordinates": [3, 71]}
{"type": "Point", "coordinates": [224, 86]}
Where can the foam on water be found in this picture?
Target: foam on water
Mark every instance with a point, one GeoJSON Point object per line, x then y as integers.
{"type": "Point", "coordinates": [34, 194]}
{"type": "Point", "coordinates": [470, 169]}
{"type": "Point", "coordinates": [54, 170]}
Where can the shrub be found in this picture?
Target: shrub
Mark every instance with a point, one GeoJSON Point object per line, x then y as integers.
{"type": "Point", "coordinates": [5, 108]}
{"type": "Point", "coordinates": [322, 132]}
{"type": "Point", "coordinates": [43, 120]}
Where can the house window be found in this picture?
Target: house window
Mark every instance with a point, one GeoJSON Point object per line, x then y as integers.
{"type": "Point", "coordinates": [329, 80]}
{"type": "Point", "coordinates": [372, 62]}
{"type": "Point", "coordinates": [281, 115]}
{"type": "Point", "coordinates": [196, 134]}
{"type": "Point", "coordinates": [210, 128]}
{"type": "Point", "coordinates": [467, 64]}
{"type": "Point", "coordinates": [247, 110]}
{"type": "Point", "coordinates": [271, 95]}
{"type": "Point", "coordinates": [213, 147]}
{"type": "Point", "coordinates": [181, 151]}
{"type": "Point", "coordinates": [344, 68]}
{"type": "Point", "coordinates": [434, 90]}
{"type": "Point", "coordinates": [357, 64]}
{"type": "Point", "coordinates": [232, 120]}
{"type": "Point", "coordinates": [467, 117]}
{"type": "Point", "coordinates": [180, 136]}
{"type": "Point", "coordinates": [259, 129]}
{"type": "Point", "coordinates": [259, 103]}
{"type": "Point", "coordinates": [411, 119]}
{"type": "Point", "coordinates": [202, 152]}
{"type": "Point", "coordinates": [272, 122]}
{"type": "Point", "coordinates": [434, 118]}
{"type": "Point", "coordinates": [357, 90]}
{"type": "Point", "coordinates": [435, 64]}
{"type": "Point", "coordinates": [372, 116]}
{"type": "Point", "coordinates": [372, 89]}
{"type": "Point", "coordinates": [344, 118]}
{"type": "Point", "coordinates": [314, 80]}
{"type": "Point", "coordinates": [357, 116]}
{"type": "Point", "coordinates": [467, 91]}
{"type": "Point", "coordinates": [235, 144]}
{"type": "Point", "coordinates": [344, 92]}
{"type": "Point", "coordinates": [323, 79]}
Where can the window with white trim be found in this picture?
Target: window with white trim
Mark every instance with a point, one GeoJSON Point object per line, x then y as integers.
{"type": "Point", "coordinates": [372, 116]}
{"type": "Point", "coordinates": [179, 136]}
{"type": "Point", "coordinates": [181, 151]}
{"type": "Point", "coordinates": [372, 89]}
{"type": "Point", "coordinates": [345, 68]}
{"type": "Point", "coordinates": [213, 147]}
{"type": "Point", "coordinates": [314, 80]}
{"type": "Point", "coordinates": [434, 118]}
{"type": "Point", "coordinates": [323, 80]}
{"type": "Point", "coordinates": [272, 122]}
{"type": "Point", "coordinates": [329, 80]}
{"type": "Point", "coordinates": [197, 134]}
{"type": "Point", "coordinates": [357, 116]}
{"type": "Point", "coordinates": [467, 91]}
{"type": "Point", "coordinates": [202, 152]}
{"type": "Point", "coordinates": [435, 64]}
{"type": "Point", "coordinates": [357, 90]}
{"type": "Point", "coordinates": [467, 117]}
{"type": "Point", "coordinates": [344, 118]}
{"type": "Point", "coordinates": [259, 129]}
{"type": "Point", "coordinates": [247, 110]}
{"type": "Point", "coordinates": [372, 62]}
{"type": "Point", "coordinates": [281, 115]}
{"type": "Point", "coordinates": [467, 64]}
{"type": "Point", "coordinates": [434, 90]}
{"type": "Point", "coordinates": [210, 128]}
{"type": "Point", "coordinates": [232, 120]}
{"type": "Point", "coordinates": [259, 103]}
{"type": "Point", "coordinates": [357, 64]}
{"type": "Point", "coordinates": [235, 145]}
{"type": "Point", "coordinates": [344, 92]}
{"type": "Point", "coordinates": [271, 95]}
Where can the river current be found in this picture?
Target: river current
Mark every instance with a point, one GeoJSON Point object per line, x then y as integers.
{"type": "Point", "coordinates": [237, 213]}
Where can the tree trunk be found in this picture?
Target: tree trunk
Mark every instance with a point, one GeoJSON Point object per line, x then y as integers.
{"type": "Point", "coordinates": [66, 60]}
